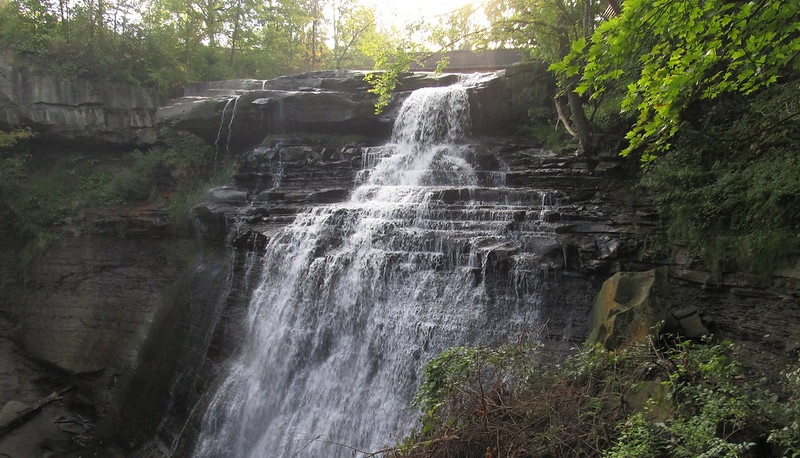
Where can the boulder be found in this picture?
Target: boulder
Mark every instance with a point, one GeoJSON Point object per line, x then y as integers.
{"type": "Point", "coordinates": [628, 308]}
{"type": "Point", "coordinates": [686, 322]}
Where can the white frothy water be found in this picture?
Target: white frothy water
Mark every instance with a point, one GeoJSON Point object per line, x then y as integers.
{"type": "Point", "coordinates": [356, 297]}
{"type": "Point", "coordinates": [232, 102]}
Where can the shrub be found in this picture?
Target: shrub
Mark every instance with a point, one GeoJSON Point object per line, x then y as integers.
{"type": "Point", "coordinates": [647, 400]}
{"type": "Point", "coordinates": [39, 194]}
{"type": "Point", "coordinates": [730, 189]}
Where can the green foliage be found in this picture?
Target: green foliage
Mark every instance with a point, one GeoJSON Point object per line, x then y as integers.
{"type": "Point", "coordinates": [442, 375]}
{"type": "Point", "coordinates": [393, 56]}
{"type": "Point", "coordinates": [9, 139]}
{"type": "Point", "coordinates": [744, 212]}
{"type": "Point", "coordinates": [639, 438]}
{"type": "Point", "coordinates": [735, 206]}
{"type": "Point", "coordinates": [544, 28]}
{"type": "Point", "coordinates": [63, 192]}
{"type": "Point", "coordinates": [354, 31]}
{"type": "Point", "coordinates": [395, 51]}
{"type": "Point", "coordinates": [668, 55]}
{"type": "Point", "coordinates": [787, 438]}
{"type": "Point", "coordinates": [712, 414]}
{"type": "Point", "coordinates": [168, 43]}
{"type": "Point", "coordinates": [191, 192]}
{"type": "Point", "coordinates": [512, 401]}
{"type": "Point", "coordinates": [12, 160]}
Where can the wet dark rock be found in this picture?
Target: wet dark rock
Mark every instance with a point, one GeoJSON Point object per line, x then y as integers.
{"type": "Point", "coordinates": [237, 115]}
{"type": "Point", "coordinates": [329, 195]}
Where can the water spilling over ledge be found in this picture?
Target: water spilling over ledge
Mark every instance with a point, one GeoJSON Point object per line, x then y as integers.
{"type": "Point", "coordinates": [142, 319]}
{"type": "Point", "coordinates": [355, 297]}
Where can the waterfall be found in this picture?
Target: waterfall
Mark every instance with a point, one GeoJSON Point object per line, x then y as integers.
{"type": "Point", "coordinates": [355, 297]}
{"type": "Point", "coordinates": [230, 103]}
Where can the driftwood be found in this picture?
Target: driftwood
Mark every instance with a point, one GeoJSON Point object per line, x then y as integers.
{"type": "Point", "coordinates": [30, 412]}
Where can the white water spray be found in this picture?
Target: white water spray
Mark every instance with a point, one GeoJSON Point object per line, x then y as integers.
{"type": "Point", "coordinates": [356, 297]}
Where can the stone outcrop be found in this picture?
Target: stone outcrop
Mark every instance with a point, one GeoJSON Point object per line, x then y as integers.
{"type": "Point", "coordinates": [237, 115]}
{"type": "Point", "coordinates": [76, 109]}
{"type": "Point", "coordinates": [629, 307]}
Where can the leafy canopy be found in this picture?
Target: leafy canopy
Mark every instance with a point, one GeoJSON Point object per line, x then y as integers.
{"type": "Point", "coordinates": [670, 54]}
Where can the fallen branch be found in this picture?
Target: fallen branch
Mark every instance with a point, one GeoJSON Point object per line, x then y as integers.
{"type": "Point", "coordinates": [28, 413]}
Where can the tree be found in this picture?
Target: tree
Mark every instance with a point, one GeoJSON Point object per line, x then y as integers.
{"type": "Point", "coordinates": [353, 26]}
{"type": "Point", "coordinates": [460, 29]}
{"type": "Point", "coordinates": [670, 55]}
{"type": "Point", "coordinates": [393, 53]}
{"type": "Point", "coordinates": [550, 30]}
{"type": "Point", "coordinates": [315, 36]}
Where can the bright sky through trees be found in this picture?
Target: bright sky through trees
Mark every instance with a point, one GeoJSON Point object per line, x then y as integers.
{"type": "Point", "coordinates": [399, 12]}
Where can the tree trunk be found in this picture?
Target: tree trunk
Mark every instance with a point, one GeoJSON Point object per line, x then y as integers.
{"type": "Point", "coordinates": [235, 34]}
{"type": "Point", "coordinates": [615, 7]}
{"type": "Point", "coordinates": [581, 124]}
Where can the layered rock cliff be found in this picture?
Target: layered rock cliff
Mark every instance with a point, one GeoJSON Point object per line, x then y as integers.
{"type": "Point", "coordinates": [139, 317]}
{"type": "Point", "coordinates": [121, 311]}
{"type": "Point", "coordinates": [76, 109]}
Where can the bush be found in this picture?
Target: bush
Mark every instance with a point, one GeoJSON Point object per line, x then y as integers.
{"type": "Point", "coordinates": [787, 438]}
{"type": "Point", "coordinates": [648, 400]}
{"type": "Point", "coordinates": [39, 195]}
{"type": "Point", "coordinates": [730, 190]}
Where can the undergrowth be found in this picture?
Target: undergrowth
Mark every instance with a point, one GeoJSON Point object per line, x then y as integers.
{"type": "Point", "coordinates": [649, 400]}
{"type": "Point", "coordinates": [730, 189]}
{"type": "Point", "coordinates": [44, 194]}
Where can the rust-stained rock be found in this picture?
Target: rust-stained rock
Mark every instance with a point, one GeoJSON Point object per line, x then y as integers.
{"type": "Point", "coordinates": [629, 306]}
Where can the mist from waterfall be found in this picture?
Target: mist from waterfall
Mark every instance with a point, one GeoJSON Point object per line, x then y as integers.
{"type": "Point", "coordinates": [355, 297]}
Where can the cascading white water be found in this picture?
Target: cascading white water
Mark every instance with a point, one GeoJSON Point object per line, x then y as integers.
{"type": "Point", "coordinates": [233, 101]}
{"type": "Point", "coordinates": [356, 297]}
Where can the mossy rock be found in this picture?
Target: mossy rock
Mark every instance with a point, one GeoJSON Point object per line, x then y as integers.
{"type": "Point", "coordinates": [629, 307]}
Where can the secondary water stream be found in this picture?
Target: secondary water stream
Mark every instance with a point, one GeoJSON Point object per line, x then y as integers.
{"type": "Point", "coordinates": [355, 297]}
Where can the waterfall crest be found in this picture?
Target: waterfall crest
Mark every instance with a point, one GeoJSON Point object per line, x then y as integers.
{"type": "Point", "coordinates": [355, 297]}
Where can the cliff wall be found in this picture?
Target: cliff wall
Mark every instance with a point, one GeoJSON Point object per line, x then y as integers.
{"type": "Point", "coordinates": [139, 321]}
{"type": "Point", "coordinates": [76, 109]}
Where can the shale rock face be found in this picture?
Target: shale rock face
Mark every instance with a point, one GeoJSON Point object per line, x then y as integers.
{"type": "Point", "coordinates": [116, 314]}
{"type": "Point", "coordinates": [236, 115]}
{"type": "Point", "coordinates": [76, 109]}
